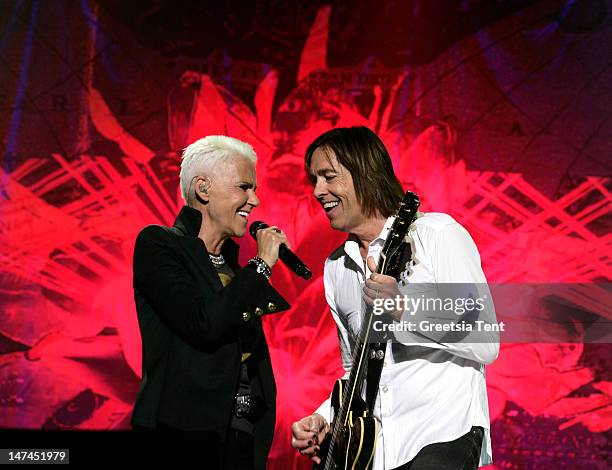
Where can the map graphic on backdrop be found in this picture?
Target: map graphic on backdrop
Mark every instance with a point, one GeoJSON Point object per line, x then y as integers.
{"type": "Point", "coordinates": [503, 121]}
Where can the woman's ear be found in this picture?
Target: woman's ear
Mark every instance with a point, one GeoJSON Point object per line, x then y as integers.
{"type": "Point", "coordinates": [202, 187]}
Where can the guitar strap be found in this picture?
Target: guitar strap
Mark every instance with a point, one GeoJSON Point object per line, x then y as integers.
{"type": "Point", "coordinates": [376, 351]}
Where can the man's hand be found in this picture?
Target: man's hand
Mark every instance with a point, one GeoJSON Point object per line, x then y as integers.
{"type": "Point", "coordinates": [379, 286]}
{"type": "Point", "coordinates": [308, 433]}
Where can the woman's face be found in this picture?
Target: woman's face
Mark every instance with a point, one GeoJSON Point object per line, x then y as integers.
{"type": "Point", "coordinates": [231, 198]}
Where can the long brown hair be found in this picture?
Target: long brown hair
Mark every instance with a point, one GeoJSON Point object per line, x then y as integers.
{"type": "Point", "coordinates": [364, 155]}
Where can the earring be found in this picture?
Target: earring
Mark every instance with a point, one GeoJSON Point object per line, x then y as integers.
{"type": "Point", "coordinates": [203, 189]}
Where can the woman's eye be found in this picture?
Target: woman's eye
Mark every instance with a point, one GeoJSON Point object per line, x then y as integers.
{"type": "Point", "coordinates": [329, 177]}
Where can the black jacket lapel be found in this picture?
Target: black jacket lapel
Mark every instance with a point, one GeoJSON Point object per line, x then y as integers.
{"type": "Point", "coordinates": [187, 228]}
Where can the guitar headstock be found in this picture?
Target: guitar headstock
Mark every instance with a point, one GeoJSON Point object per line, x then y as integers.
{"type": "Point", "coordinates": [408, 208]}
{"type": "Point", "coordinates": [406, 214]}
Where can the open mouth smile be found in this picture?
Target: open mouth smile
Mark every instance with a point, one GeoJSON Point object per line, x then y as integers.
{"type": "Point", "coordinates": [330, 206]}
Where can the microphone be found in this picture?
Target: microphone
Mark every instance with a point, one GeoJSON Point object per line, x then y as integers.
{"type": "Point", "coordinates": [284, 254]}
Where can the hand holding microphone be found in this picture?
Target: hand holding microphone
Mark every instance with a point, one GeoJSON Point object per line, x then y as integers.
{"type": "Point", "coordinates": [272, 244]}
{"type": "Point", "coordinates": [269, 240]}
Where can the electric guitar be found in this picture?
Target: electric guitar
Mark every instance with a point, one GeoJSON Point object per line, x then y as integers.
{"type": "Point", "coordinates": [352, 441]}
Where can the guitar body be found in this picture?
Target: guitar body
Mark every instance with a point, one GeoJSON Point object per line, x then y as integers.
{"type": "Point", "coordinates": [355, 450]}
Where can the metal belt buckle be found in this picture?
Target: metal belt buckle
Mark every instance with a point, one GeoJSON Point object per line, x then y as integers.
{"type": "Point", "coordinates": [244, 405]}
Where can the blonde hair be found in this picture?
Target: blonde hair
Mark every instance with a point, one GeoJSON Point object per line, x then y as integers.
{"type": "Point", "coordinates": [207, 155]}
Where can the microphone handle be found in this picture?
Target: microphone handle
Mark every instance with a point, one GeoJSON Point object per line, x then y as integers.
{"type": "Point", "coordinates": [291, 260]}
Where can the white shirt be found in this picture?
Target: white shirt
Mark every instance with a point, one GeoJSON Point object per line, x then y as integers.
{"type": "Point", "coordinates": [428, 392]}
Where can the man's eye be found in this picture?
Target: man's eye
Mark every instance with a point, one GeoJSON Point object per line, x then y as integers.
{"type": "Point", "coordinates": [329, 177]}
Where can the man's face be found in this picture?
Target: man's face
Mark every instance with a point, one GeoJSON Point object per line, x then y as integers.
{"type": "Point", "coordinates": [232, 197]}
{"type": "Point", "coordinates": [334, 189]}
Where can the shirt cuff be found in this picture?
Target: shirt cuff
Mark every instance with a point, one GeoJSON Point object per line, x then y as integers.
{"type": "Point", "coordinates": [325, 410]}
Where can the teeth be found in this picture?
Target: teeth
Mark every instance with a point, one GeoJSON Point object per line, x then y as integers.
{"type": "Point", "coordinates": [243, 213]}
{"type": "Point", "coordinates": [329, 205]}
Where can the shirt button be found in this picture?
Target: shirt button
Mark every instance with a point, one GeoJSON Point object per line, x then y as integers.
{"type": "Point", "coordinates": [271, 307]}
{"type": "Point", "coordinates": [246, 316]}
{"type": "Point", "coordinates": [258, 312]}
{"type": "Point", "coordinates": [385, 388]}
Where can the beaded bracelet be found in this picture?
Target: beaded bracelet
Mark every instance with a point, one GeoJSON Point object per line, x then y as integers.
{"type": "Point", "coordinates": [261, 266]}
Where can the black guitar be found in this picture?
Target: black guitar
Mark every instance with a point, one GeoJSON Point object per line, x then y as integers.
{"type": "Point", "coordinates": [352, 441]}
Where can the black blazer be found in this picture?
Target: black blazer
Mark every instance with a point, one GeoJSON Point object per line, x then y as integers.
{"type": "Point", "coordinates": [190, 328]}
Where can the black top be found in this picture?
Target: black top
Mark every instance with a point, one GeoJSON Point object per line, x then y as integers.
{"type": "Point", "coordinates": [249, 338]}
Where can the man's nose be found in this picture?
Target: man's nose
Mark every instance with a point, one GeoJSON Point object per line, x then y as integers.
{"type": "Point", "coordinates": [319, 189]}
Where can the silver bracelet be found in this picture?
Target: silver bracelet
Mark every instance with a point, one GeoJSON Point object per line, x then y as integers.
{"type": "Point", "coordinates": [261, 266]}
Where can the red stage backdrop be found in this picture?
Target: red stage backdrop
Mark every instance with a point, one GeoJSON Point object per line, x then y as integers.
{"type": "Point", "coordinates": [498, 113]}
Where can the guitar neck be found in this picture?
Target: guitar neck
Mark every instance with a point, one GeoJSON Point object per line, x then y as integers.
{"type": "Point", "coordinates": [360, 354]}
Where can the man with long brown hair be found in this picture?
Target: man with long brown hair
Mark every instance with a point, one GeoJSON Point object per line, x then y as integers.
{"type": "Point", "coordinates": [431, 400]}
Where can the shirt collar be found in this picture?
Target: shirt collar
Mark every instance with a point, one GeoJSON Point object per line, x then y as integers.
{"type": "Point", "coordinates": [351, 246]}
{"type": "Point", "coordinates": [189, 221]}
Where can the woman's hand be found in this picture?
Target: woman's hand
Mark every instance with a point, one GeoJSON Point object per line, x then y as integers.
{"type": "Point", "coordinates": [268, 242]}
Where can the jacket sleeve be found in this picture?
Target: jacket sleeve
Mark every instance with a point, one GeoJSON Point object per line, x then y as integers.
{"type": "Point", "coordinates": [171, 291]}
